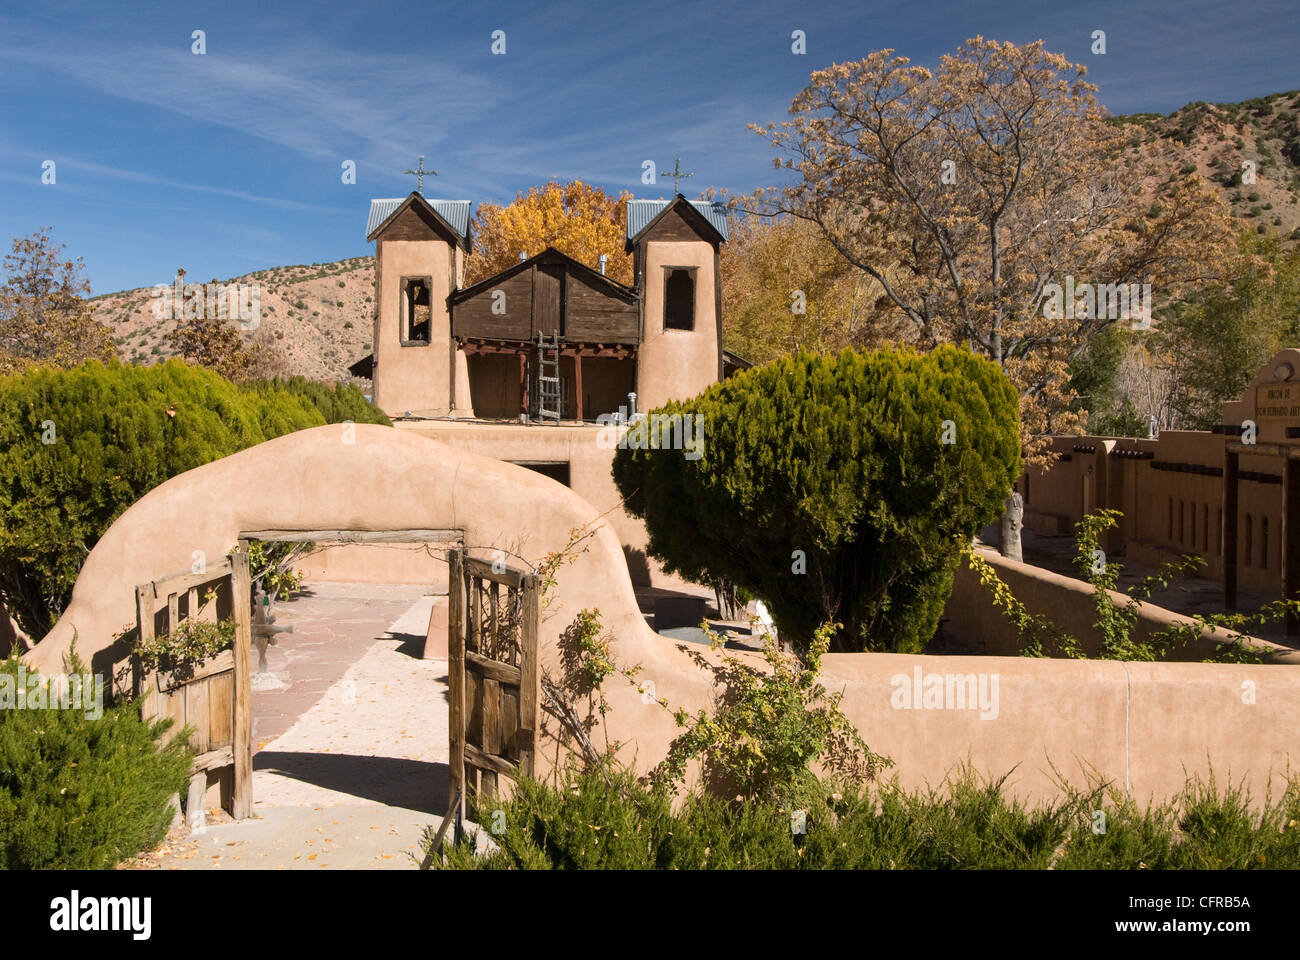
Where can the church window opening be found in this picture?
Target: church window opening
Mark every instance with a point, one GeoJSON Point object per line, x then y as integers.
{"type": "Point", "coordinates": [679, 298]}
{"type": "Point", "coordinates": [417, 312]}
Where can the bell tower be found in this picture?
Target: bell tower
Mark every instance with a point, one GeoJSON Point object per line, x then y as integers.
{"type": "Point", "coordinates": [420, 247]}
{"type": "Point", "coordinates": [675, 246]}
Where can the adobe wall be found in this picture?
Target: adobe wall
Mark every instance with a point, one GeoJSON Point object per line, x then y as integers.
{"type": "Point", "coordinates": [1172, 501]}
{"type": "Point", "coordinates": [1069, 604]}
{"type": "Point", "coordinates": [1143, 726]}
{"type": "Point", "coordinates": [376, 563]}
{"type": "Point", "coordinates": [590, 475]}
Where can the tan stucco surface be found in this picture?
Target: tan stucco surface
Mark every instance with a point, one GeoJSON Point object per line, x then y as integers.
{"type": "Point", "coordinates": [677, 364]}
{"type": "Point", "coordinates": [1070, 604]}
{"type": "Point", "coordinates": [590, 474]}
{"type": "Point", "coordinates": [376, 563]}
{"type": "Point", "coordinates": [1144, 726]}
{"type": "Point", "coordinates": [414, 377]}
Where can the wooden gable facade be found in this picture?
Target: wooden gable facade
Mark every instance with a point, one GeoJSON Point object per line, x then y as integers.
{"type": "Point", "coordinates": [552, 295]}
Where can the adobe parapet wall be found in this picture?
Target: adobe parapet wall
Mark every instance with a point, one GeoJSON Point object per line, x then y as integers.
{"type": "Point", "coordinates": [1141, 726]}
{"type": "Point", "coordinates": [1071, 605]}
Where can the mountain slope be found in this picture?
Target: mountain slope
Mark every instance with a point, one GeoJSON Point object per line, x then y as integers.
{"type": "Point", "coordinates": [318, 317]}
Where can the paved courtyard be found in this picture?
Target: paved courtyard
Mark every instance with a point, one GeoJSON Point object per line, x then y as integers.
{"type": "Point", "coordinates": [349, 740]}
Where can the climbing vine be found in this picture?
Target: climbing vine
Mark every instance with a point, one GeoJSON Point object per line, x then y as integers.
{"type": "Point", "coordinates": [1115, 622]}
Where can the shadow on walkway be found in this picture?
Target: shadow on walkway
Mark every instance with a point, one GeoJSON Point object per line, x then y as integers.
{"type": "Point", "coordinates": [412, 784]}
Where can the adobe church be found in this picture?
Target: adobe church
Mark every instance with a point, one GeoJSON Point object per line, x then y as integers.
{"type": "Point", "coordinates": [550, 338]}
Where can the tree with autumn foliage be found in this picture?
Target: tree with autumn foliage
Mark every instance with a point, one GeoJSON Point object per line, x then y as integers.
{"type": "Point", "coordinates": [44, 317]}
{"type": "Point", "coordinates": [575, 218]}
{"type": "Point", "coordinates": [965, 190]}
{"type": "Point", "coordinates": [785, 288]}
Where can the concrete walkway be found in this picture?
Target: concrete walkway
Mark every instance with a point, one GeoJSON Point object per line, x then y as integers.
{"type": "Point", "coordinates": [350, 741]}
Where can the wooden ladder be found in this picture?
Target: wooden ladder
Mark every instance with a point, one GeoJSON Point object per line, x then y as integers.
{"type": "Point", "coordinates": [549, 394]}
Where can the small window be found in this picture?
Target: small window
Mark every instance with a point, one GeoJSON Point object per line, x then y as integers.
{"type": "Point", "coordinates": [1250, 538]}
{"type": "Point", "coordinates": [557, 470]}
{"type": "Point", "coordinates": [1218, 531]}
{"type": "Point", "coordinates": [417, 313]}
{"type": "Point", "coordinates": [1263, 542]}
{"type": "Point", "coordinates": [1180, 522]}
{"type": "Point", "coordinates": [1170, 535]}
{"type": "Point", "coordinates": [679, 298]}
{"type": "Point", "coordinates": [1205, 528]}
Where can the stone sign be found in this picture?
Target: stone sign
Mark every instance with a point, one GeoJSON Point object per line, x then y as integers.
{"type": "Point", "coordinates": [1278, 401]}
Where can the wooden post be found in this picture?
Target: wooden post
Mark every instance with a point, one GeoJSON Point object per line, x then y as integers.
{"type": "Point", "coordinates": [194, 799]}
{"type": "Point", "coordinates": [1231, 462]}
{"type": "Point", "coordinates": [147, 690]}
{"type": "Point", "coordinates": [523, 382]}
{"type": "Point", "coordinates": [241, 804]}
{"type": "Point", "coordinates": [577, 382]}
{"type": "Point", "coordinates": [1291, 537]}
{"type": "Point", "coordinates": [456, 678]}
{"type": "Point", "coordinates": [530, 687]}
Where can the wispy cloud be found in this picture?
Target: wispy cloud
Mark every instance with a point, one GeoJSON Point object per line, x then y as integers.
{"type": "Point", "coordinates": [301, 93]}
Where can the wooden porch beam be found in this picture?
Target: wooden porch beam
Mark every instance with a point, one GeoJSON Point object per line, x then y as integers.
{"type": "Point", "coordinates": [1291, 539]}
{"type": "Point", "coordinates": [1231, 461]}
{"type": "Point", "coordinates": [577, 383]}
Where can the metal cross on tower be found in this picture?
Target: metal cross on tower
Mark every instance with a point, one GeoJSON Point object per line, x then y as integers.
{"type": "Point", "coordinates": [420, 174]}
{"type": "Point", "coordinates": [677, 174]}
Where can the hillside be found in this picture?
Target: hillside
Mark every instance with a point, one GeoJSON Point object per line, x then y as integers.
{"type": "Point", "coordinates": [1216, 138]}
{"type": "Point", "coordinates": [319, 317]}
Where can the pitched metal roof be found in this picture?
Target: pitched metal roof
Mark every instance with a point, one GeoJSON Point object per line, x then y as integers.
{"type": "Point", "coordinates": [455, 212]}
{"type": "Point", "coordinates": [641, 212]}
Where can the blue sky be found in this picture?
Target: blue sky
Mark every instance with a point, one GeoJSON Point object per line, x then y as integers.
{"type": "Point", "coordinates": [230, 162]}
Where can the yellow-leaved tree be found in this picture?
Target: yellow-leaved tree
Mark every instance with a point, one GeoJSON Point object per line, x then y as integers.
{"type": "Point", "coordinates": [785, 288]}
{"type": "Point", "coordinates": [575, 218]}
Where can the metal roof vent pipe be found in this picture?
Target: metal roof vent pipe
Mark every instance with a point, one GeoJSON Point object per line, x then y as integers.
{"type": "Point", "coordinates": [604, 259]}
{"type": "Point", "coordinates": [522, 256]}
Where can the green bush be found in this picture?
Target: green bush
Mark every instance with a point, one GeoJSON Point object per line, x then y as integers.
{"type": "Point", "coordinates": [839, 463]}
{"type": "Point", "coordinates": [768, 729]}
{"type": "Point", "coordinates": [79, 793]}
{"type": "Point", "coordinates": [336, 402]}
{"type": "Point", "coordinates": [114, 433]}
{"type": "Point", "coordinates": [593, 821]}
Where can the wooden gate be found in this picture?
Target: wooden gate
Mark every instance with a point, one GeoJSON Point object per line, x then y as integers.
{"type": "Point", "coordinates": [213, 695]}
{"type": "Point", "coordinates": [493, 675]}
